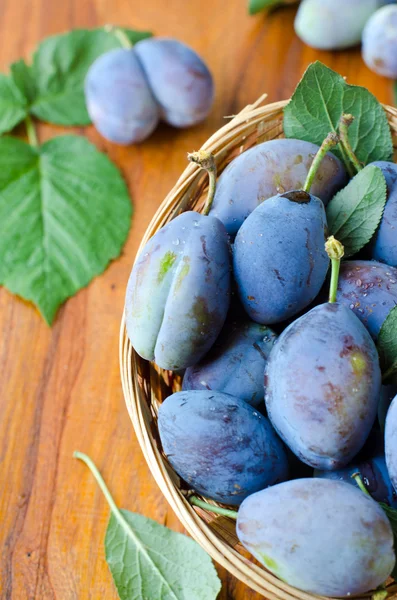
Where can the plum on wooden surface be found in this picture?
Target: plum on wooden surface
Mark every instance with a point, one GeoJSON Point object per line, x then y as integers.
{"type": "Point", "coordinates": [272, 167]}
{"type": "Point", "coordinates": [323, 537]}
{"type": "Point", "coordinates": [220, 445]}
{"type": "Point", "coordinates": [333, 24]}
{"type": "Point", "coordinates": [236, 362]}
{"type": "Point", "coordinates": [322, 386]}
{"type": "Point", "coordinates": [178, 293]}
{"type": "Point", "coordinates": [369, 289]}
{"type": "Point", "coordinates": [118, 97]}
{"type": "Point", "coordinates": [380, 42]}
{"type": "Point", "coordinates": [279, 259]}
{"type": "Point", "coordinates": [179, 80]}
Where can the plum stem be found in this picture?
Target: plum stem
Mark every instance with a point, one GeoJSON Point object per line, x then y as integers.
{"type": "Point", "coordinates": [360, 483]}
{"type": "Point", "coordinates": [211, 508]}
{"type": "Point", "coordinates": [335, 251]}
{"type": "Point", "coordinates": [120, 35]}
{"type": "Point", "coordinates": [330, 141]}
{"type": "Point", "coordinates": [206, 161]}
{"type": "Point", "coordinates": [31, 131]}
{"type": "Point", "coordinates": [344, 123]}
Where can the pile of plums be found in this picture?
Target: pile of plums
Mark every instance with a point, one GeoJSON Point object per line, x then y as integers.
{"type": "Point", "coordinates": [129, 90]}
{"type": "Point", "coordinates": [338, 24]}
{"type": "Point", "coordinates": [282, 398]}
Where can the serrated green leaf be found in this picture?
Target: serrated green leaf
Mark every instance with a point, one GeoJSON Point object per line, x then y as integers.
{"type": "Point", "coordinates": [387, 346]}
{"type": "Point", "coordinates": [354, 213]}
{"type": "Point", "coordinates": [320, 99]}
{"type": "Point", "coordinates": [150, 561]}
{"type": "Point", "coordinates": [255, 6]}
{"type": "Point", "coordinates": [59, 67]}
{"type": "Point", "coordinates": [13, 106]}
{"type": "Point", "coordinates": [22, 77]}
{"type": "Point", "coordinates": [64, 214]}
{"type": "Point", "coordinates": [392, 516]}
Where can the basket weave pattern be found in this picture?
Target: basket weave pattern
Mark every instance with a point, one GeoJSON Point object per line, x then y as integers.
{"type": "Point", "coordinates": [145, 386]}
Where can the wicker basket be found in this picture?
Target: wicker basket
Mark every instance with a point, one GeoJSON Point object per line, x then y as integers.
{"type": "Point", "coordinates": [145, 386]}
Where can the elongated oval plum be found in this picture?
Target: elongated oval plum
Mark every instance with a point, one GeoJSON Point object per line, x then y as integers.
{"type": "Point", "coordinates": [379, 48]}
{"type": "Point", "coordinates": [369, 288]}
{"type": "Point", "coordinates": [384, 244]}
{"type": "Point", "coordinates": [119, 100]}
{"type": "Point", "coordinates": [373, 472]}
{"type": "Point", "coordinates": [279, 258]}
{"type": "Point", "coordinates": [271, 168]}
{"type": "Point", "coordinates": [220, 445]}
{"type": "Point", "coordinates": [178, 293]}
{"type": "Point", "coordinates": [391, 442]}
{"type": "Point", "coordinates": [179, 79]}
{"type": "Point", "coordinates": [333, 24]}
{"type": "Point", "coordinates": [236, 362]}
{"type": "Point", "coordinates": [322, 386]}
{"type": "Point", "coordinates": [320, 536]}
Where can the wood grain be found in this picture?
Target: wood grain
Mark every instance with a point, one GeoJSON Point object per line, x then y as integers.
{"type": "Point", "coordinates": [60, 388]}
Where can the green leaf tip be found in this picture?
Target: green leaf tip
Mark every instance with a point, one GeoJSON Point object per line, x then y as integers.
{"type": "Point", "coordinates": [387, 347]}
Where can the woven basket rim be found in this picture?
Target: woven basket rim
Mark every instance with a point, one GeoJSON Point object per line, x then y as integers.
{"type": "Point", "coordinates": [256, 577]}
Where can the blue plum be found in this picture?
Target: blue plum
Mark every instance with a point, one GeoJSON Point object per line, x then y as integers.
{"type": "Point", "coordinates": [270, 168]}
{"type": "Point", "coordinates": [179, 79]}
{"type": "Point", "coordinates": [388, 392]}
{"type": "Point", "coordinates": [220, 445]}
{"type": "Point", "coordinates": [279, 258]}
{"type": "Point", "coordinates": [333, 24]}
{"type": "Point", "coordinates": [236, 362]}
{"type": "Point", "coordinates": [384, 244]}
{"type": "Point", "coordinates": [369, 288]}
{"type": "Point", "coordinates": [380, 42]}
{"type": "Point", "coordinates": [374, 474]}
{"type": "Point", "coordinates": [391, 442]}
{"type": "Point", "coordinates": [178, 293]}
{"type": "Point", "coordinates": [320, 536]}
{"type": "Point", "coordinates": [322, 386]}
{"type": "Point", "coordinates": [118, 97]}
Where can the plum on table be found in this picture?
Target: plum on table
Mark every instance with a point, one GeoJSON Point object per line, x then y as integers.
{"type": "Point", "coordinates": [379, 48]}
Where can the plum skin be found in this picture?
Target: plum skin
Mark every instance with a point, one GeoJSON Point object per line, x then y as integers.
{"type": "Point", "coordinates": [369, 289]}
{"type": "Point", "coordinates": [271, 168]}
{"type": "Point", "coordinates": [119, 100]}
{"type": "Point", "coordinates": [236, 362]}
{"type": "Point", "coordinates": [325, 420]}
{"type": "Point", "coordinates": [391, 442]}
{"type": "Point", "coordinates": [178, 293]}
{"type": "Point", "coordinates": [279, 257]}
{"type": "Point", "coordinates": [179, 80]}
{"type": "Point", "coordinates": [220, 445]}
{"type": "Point", "coordinates": [379, 48]}
{"type": "Point", "coordinates": [352, 554]}
{"type": "Point", "coordinates": [384, 243]}
{"type": "Point", "coordinates": [333, 24]}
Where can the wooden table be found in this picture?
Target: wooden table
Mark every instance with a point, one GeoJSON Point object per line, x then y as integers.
{"type": "Point", "coordinates": [60, 388]}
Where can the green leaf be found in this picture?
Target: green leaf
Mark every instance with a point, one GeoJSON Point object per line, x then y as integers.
{"type": "Point", "coordinates": [23, 79]}
{"type": "Point", "coordinates": [354, 213]}
{"type": "Point", "coordinates": [59, 67]}
{"type": "Point", "coordinates": [255, 6]}
{"type": "Point", "coordinates": [392, 516]}
{"type": "Point", "coordinates": [387, 347]}
{"type": "Point", "coordinates": [64, 214]}
{"type": "Point", "coordinates": [151, 562]}
{"type": "Point", "coordinates": [13, 106]}
{"type": "Point", "coordinates": [320, 99]}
